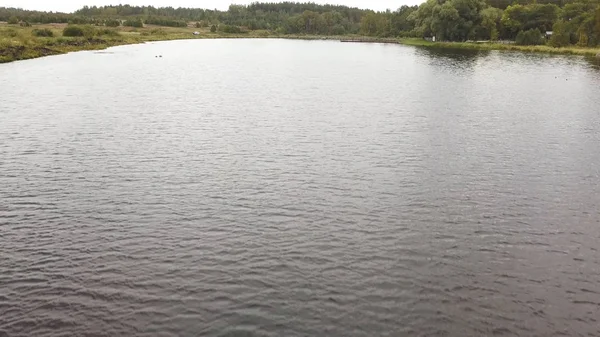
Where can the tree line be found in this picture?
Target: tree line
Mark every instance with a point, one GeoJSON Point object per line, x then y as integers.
{"type": "Point", "coordinates": [523, 21]}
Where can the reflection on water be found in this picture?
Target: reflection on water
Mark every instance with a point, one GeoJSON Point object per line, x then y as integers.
{"type": "Point", "coordinates": [594, 61]}
{"type": "Point", "coordinates": [299, 188]}
{"type": "Point", "coordinates": [457, 54]}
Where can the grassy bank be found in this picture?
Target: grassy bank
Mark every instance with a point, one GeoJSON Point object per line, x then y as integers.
{"type": "Point", "coordinates": [21, 43]}
{"type": "Point", "coordinates": [499, 46]}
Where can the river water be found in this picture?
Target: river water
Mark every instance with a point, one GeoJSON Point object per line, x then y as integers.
{"type": "Point", "coordinates": [299, 188]}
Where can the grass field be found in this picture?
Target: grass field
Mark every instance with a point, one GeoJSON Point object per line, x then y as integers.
{"type": "Point", "coordinates": [19, 43]}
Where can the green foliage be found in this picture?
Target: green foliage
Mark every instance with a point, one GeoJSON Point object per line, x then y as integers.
{"type": "Point", "coordinates": [338, 30]}
{"type": "Point", "coordinates": [112, 23]}
{"type": "Point", "coordinates": [518, 17]}
{"type": "Point", "coordinates": [24, 24]}
{"type": "Point", "coordinates": [73, 31]}
{"type": "Point", "coordinates": [560, 35]}
{"type": "Point", "coordinates": [230, 29]}
{"type": "Point", "coordinates": [165, 22]}
{"type": "Point", "coordinates": [490, 24]}
{"type": "Point", "coordinates": [107, 32]}
{"type": "Point", "coordinates": [88, 31]}
{"type": "Point", "coordinates": [596, 29]}
{"type": "Point", "coordinates": [13, 20]}
{"type": "Point", "coordinates": [532, 37]}
{"type": "Point", "coordinates": [42, 32]}
{"type": "Point", "coordinates": [137, 23]}
{"type": "Point", "coordinates": [198, 25]}
{"type": "Point", "coordinates": [213, 29]}
{"type": "Point", "coordinates": [452, 20]}
{"type": "Point", "coordinates": [9, 33]}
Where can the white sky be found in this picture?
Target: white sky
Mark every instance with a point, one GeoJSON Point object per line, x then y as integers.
{"type": "Point", "coordinates": [71, 5]}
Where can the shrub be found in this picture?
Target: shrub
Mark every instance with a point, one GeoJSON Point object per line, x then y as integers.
{"type": "Point", "coordinates": [42, 32]}
{"type": "Point", "coordinates": [73, 31]}
{"type": "Point", "coordinates": [9, 32]}
{"type": "Point", "coordinates": [107, 32]}
{"type": "Point", "coordinates": [137, 23]}
{"type": "Point", "coordinates": [13, 20]}
{"type": "Point", "coordinates": [560, 35]}
{"type": "Point", "coordinates": [198, 25]}
{"type": "Point", "coordinates": [25, 24]}
{"type": "Point", "coordinates": [157, 31]}
{"type": "Point", "coordinates": [230, 29]}
{"type": "Point", "coordinates": [532, 37]}
{"type": "Point", "coordinates": [112, 23]}
{"type": "Point", "coordinates": [213, 29]}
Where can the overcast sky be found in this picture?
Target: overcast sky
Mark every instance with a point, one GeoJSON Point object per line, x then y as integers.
{"type": "Point", "coordinates": [71, 5]}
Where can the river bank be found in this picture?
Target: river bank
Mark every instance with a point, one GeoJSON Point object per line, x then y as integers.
{"type": "Point", "coordinates": [501, 46]}
{"type": "Point", "coordinates": [19, 43]}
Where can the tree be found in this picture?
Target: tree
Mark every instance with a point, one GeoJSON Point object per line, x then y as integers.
{"type": "Point", "coordinates": [13, 20]}
{"type": "Point", "coordinates": [444, 23]}
{"type": "Point", "coordinates": [518, 17]}
{"type": "Point", "coordinates": [597, 26]}
{"type": "Point", "coordinates": [422, 17]}
{"type": "Point", "coordinates": [213, 29]}
{"type": "Point", "coordinates": [490, 23]}
{"type": "Point", "coordinates": [452, 20]}
{"type": "Point", "coordinates": [513, 18]}
{"type": "Point", "coordinates": [369, 24]}
{"type": "Point", "coordinates": [560, 35]}
{"type": "Point", "coordinates": [532, 37]}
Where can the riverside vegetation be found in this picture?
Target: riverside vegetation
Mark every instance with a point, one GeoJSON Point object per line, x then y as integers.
{"type": "Point", "coordinates": [479, 24]}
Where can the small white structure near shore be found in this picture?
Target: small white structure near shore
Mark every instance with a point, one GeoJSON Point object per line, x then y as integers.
{"type": "Point", "coordinates": [196, 33]}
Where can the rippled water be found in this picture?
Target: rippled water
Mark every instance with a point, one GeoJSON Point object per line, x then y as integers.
{"type": "Point", "coordinates": [293, 188]}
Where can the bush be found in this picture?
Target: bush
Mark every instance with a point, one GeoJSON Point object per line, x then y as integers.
{"type": "Point", "coordinates": [42, 32]}
{"type": "Point", "coordinates": [230, 29]}
{"type": "Point", "coordinates": [73, 31]}
{"type": "Point", "coordinates": [112, 23]}
{"type": "Point", "coordinates": [107, 32]}
{"type": "Point", "coordinates": [560, 35]}
{"type": "Point", "coordinates": [13, 20]}
{"type": "Point", "coordinates": [137, 23]}
{"type": "Point", "coordinates": [532, 37]}
{"type": "Point", "coordinates": [213, 29]}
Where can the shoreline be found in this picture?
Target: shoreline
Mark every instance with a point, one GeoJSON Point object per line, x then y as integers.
{"type": "Point", "coordinates": [542, 49]}
{"type": "Point", "coordinates": [42, 47]}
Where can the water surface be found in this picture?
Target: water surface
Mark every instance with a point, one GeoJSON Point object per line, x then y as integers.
{"type": "Point", "coordinates": [299, 188]}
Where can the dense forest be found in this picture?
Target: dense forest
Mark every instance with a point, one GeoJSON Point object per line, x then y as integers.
{"type": "Point", "coordinates": [526, 22]}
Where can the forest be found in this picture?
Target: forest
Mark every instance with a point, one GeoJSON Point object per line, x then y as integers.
{"type": "Point", "coordinates": [574, 22]}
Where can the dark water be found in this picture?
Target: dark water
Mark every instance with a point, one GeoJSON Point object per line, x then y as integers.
{"type": "Point", "coordinates": [291, 188]}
